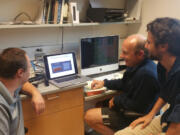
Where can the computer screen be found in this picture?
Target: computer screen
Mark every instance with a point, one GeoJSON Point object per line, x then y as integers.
{"type": "Point", "coordinates": [99, 54]}
{"type": "Point", "coordinates": [60, 65]}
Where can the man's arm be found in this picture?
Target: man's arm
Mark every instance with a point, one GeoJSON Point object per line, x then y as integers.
{"type": "Point", "coordinates": [37, 99]}
{"type": "Point", "coordinates": [174, 129]}
{"type": "Point", "coordinates": [4, 122]}
{"type": "Point", "coordinates": [116, 84]}
{"type": "Point", "coordinates": [110, 84]}
{"type": "Point", "coordinates": [174, 118]}
{"type": "Point", "coordinates": [141, 93]}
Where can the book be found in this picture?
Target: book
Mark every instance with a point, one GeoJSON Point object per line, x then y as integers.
{"type": "Point", "coordinates": [62, 13]}
{"type": "Point", "coordinates": [59, 11]}
{"type": "Point", "coordinates": [65, 12]}
{"type": "Point", "coordinates": [55, 16]}
{"type": "Point", "coordinates": [50, 11]}
{"type": "Point", "coordinates": [51, 17]}
{"type": "Point", "coordinates": [48, 5]}
{"type": "Point", "coordinates": [45, 12]}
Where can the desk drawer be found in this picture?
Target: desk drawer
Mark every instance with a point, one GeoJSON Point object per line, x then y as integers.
{"type": "Point", "coordinates": [55, 102]}
{"type": "Point", "coordinates": [67, 122]}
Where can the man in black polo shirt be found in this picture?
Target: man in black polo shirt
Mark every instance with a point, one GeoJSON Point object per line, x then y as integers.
{"type": "Point", "coordinates": [139, 86]}
{"type": "Point", "coordinates": [163, 43]}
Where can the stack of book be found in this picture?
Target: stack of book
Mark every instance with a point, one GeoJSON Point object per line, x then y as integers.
{"type": "Point", "coordinates": [55, 11]}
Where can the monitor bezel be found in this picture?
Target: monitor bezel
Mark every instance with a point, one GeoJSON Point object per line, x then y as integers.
{"type": "Point", "coordinates": [45, 57]}
{"type": "Point", "coordinates": [101, 68]}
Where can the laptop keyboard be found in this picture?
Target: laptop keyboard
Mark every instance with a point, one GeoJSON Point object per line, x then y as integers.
{"type": "Point", "coordinates": [66, 79]}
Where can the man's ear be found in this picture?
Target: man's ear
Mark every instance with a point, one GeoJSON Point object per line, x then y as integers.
{"type": "Point", "coordinates": [141, 53]}
{"type": "Point", "coordinates": [163, 47]}
{"type": "Point", "coordinates": [20, 72]}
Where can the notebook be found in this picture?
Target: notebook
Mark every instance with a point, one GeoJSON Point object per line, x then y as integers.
{"type": "Point", "coordinates": [61, 70]}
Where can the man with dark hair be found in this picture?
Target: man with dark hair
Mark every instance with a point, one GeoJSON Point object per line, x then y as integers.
{"type": "Point", "coordinates": [163, 43]}
{"type": "Point", "coordinates": [139, 88]}
{"type": "Point", "coordinates": [14, 72]}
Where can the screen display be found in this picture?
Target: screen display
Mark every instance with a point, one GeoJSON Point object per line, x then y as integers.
{"type": "Point", "coordinates": [61, 65]}
{"type": "Point", "coordinates": [99, 51]}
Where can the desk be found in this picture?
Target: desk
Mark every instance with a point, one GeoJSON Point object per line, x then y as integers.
{"type": "Point", "coordinates": [64, 114]}
{"type": "Point", "coordinates": [108, 93]}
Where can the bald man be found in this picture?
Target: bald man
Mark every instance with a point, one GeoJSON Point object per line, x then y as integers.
{"type": "Point", "coordinates": [139, 88]}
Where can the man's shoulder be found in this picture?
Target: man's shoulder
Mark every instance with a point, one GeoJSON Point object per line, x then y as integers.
{"type": "Point", "coordinates": [4, 107]}
{"type": "Point", "coordinates": [3, 102]}
{"type": "Point", "coordinates": [150, 63]}
{"type": "Point", "coordinates": [149, 68]}
{"type": "Point", "coordinates": [5, 118]}
{"type": "Point", "coordinates": [175, 76]}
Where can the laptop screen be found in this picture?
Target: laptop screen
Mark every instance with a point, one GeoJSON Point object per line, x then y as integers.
{"type": "Point", "coordinates": [60, 65]}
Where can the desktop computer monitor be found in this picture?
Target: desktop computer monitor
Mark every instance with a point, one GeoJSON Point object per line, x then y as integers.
{"type": "Point", "coordinates": [99, 54]}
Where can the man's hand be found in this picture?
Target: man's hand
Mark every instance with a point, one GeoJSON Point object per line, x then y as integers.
{"type": "Point", "coordinates": [38, 103]}
{"type": "Point", "coordinates": [145, 120]}
{"type": "Point", "coordinates": [111, 103]}
{"type": "Point", "coordinates": [96, 84]}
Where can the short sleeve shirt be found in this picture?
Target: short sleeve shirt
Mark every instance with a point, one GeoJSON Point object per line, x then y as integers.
{"type": "Point", "coordinates": [170, 91]}
{"type": "Point", "coordinates": [11, 122]}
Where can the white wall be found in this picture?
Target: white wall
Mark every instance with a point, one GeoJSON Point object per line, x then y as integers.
{"type": "Point", "coordinates": [52, 36]}
{"type": "Point", "coordinates": [50, 39]}
{"type": "Point", "coordinates": [152, 9]}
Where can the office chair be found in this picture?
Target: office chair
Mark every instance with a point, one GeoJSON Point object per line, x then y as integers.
{"type": "Point", "coordinates": [132, 114]}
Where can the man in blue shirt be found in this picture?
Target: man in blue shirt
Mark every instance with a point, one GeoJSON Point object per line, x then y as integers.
{"type": "Point", "coordinates": [163, 42]}
{"type": "Point", "coordinates": [139, 88]}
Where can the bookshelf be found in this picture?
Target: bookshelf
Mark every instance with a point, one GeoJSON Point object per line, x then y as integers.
{"type": "Point", "coordinates": [63, 25]}
{"type": "Point", "coordinates": [34, 26]}
{"type": "Point", "coordinates": [133, 8]}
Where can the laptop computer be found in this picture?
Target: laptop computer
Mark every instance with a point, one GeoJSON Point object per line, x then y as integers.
{"type": "Point", "coordinates": [61, 70]}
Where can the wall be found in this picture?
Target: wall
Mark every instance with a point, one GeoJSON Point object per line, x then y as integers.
{"type": "Point", "coordinates": [50, 39]}
{"type": "Point", "coordinates": [152, 9]}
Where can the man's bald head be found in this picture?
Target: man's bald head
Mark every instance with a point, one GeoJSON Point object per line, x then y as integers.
{"type": "Point", "coordinates": [133, 50]}
{"type": "Point", "coordinates": [137, 42]}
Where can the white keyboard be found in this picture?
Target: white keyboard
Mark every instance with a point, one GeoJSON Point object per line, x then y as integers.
{"type": "Point", "coordinates": [110, 76]}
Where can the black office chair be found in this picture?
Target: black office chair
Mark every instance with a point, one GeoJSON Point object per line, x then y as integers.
{"type": "Point", "coordinates": [132, 114]}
